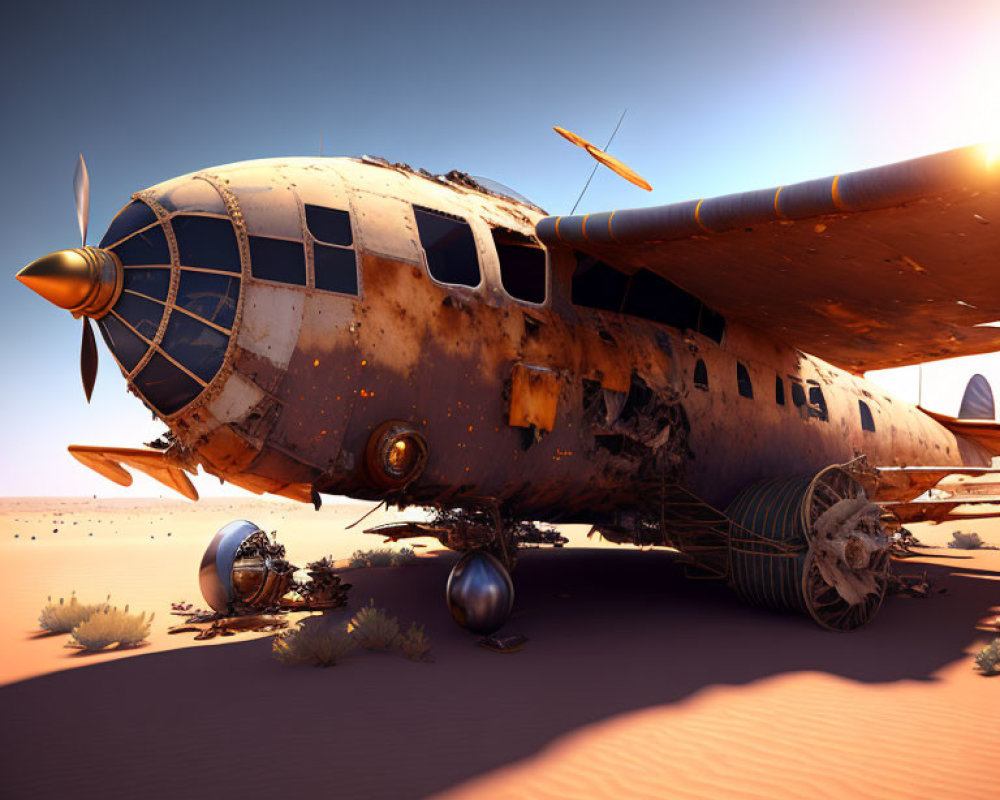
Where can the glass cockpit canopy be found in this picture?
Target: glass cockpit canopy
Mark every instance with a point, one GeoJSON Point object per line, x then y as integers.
{"type": "Point", "coordinates": [505, 191]}
{"type": "Point", "coordinates": [171, 345]}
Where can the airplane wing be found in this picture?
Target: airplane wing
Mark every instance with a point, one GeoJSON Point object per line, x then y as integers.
{"type": "Point", "coordinates": [109, 461]}
{"type": "Point", "coordinates": [879, 268]}
{"type": "Point", "coordinates": [946, 510]}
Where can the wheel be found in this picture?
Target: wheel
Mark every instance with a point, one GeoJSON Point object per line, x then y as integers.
{"type": "Point", "coordinates": [813, 545]}
{"type": "Point", "coordinates": [241, 567]}
{"type": "Point", "coordinates": [480, 592]}
{"type": "Point", "coordinates": [854, 555]}
{"type": "Point", "coordinates": [829, 609]}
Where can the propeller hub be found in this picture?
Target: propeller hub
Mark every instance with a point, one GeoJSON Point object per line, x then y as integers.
{"type": "Point", "coordinates": [85, 280]}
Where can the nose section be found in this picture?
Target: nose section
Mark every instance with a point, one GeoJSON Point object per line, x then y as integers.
{"type": "Point", "coordinates": [84, 280]}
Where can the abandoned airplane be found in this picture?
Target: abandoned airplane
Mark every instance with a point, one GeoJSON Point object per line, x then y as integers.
{"type": "Point", "coordinates": [685, 375]}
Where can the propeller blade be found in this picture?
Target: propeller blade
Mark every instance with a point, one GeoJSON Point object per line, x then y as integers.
{"type": "Point", "coordinates": [618, 167]}
{"type": "Point", "coordinates": [88, 359]}
{"type": "Point", "coordinates": [81, 191]}
{"type": "Point", "coordinates": [602, 157]}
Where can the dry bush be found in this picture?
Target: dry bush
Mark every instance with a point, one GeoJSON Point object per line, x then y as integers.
{"type": "Point", "coordinates": [62, 617]}
{"type": "Point", "coordinates": [966, 541]}
{"type": "Point", "coordinates": [382, 557]}
{"type": "Point", "coordinates": [318, 640]}
{"type": "Point", "coordinates": [112, 626]}
{"type": "Point", "coordinates": [374, 628]}
{"type": "Point", "coordinates": [988, 659]}
{"type": "Point", "coordinates": [415, 643]}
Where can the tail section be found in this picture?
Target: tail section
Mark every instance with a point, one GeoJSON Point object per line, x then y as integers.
{"type": "Point", "coordinates": [977, 402]}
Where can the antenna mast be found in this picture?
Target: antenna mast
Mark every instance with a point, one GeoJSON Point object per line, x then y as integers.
{"type": "Point", "coordinates": [594, 170]}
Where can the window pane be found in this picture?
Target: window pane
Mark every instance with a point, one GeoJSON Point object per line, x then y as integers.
{"type": "Point", "coordinates": [743, 381]}
{"type": "Point", "coordinates": [329, 225]}
{"type": "Point", "coordinates": [867, 421]}
{"type": "Point", "coordinates": [134, 216]}
{"type": "Point", "coordinates": [207, 242]}
{"type": "Point", "coordinates": [336, 269]}
{"type": "Point", "coordinates": [165, 386]}
{"type": "Point", "coordinates": [817, 403]}
{"type": "Point", "coordinates": [700, 375]}
{"type": "Point", "coordinates": [211, 297]}
{"type": "Point", "coordinates": [798, 395]}
{"type": "Point", "coordinates": [597, 285]}
{"type": "Point", "coordinates": [142, 314]}
{"type": "Point", "coordinates": [199, 348]}
{"type": "Point", "coordinates": [712, 324]}
{"type": "Point", "coordinates": [148, 247]}
{"type": "Point", "coordinates": [127, 347]}
{"type": "Point", "coordinates": [150, 282]}
{"type": "Point", "coordinates": [277, 260]}
{"type": "Point", "coordinates": [656, 298]}
{"type": "Point", "coordinates": [522, 269]}
{"type": "Point", "coordinates": [450, 247]}
{"type": "Point", "coordinates": [779, 391]}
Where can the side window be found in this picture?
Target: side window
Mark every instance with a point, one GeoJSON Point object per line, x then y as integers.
{"type": "Point", "coordinates": [280, 260]}
{"type": "Point", "coordinates": [644, 294]}
{"type": "Point", "coordinates": [867, 421]}
{"type": "Point", "coordinates": [522, 265]}
{"type": "Point", "coordinates": [799, 398]}
{"type": "Point", "coordinates": [700, 376]}
{"type": "Point", "coordinates": [779, 391]}
{"type": "Point", "coordinates": [743, 381]}
{"type": "Point", "coordinates": [334, 261]}
{"type": "Point", "coordinates": [596, 285]}
{"type": "Point", "coordinates": [817, 403]}
{"type": "Point", "coordinates": [450, 247]}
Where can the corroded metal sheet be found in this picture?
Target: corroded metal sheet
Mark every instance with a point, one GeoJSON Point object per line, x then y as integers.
{"type": "Point", "coordinates": [534, 397]}
{"type": "Point", "coordinates": [874, 269]}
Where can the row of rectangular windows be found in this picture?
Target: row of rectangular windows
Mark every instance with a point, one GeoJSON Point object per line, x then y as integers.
{"type": "Point", "coordinates": [643, 294]}
{"type": "Point", "coordinates": [814, 405]}
{"type": "Point", "coordinates": [208, 242]}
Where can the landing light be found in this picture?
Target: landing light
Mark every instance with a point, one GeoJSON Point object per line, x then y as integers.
{"type": "Point", "coordinates": [395, 455]}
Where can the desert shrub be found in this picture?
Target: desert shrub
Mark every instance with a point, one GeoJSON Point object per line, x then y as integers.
{"type": "Point", "coordinates": [317, 640]}
{"type": "Point", "coordinates": [382, 557]}
{"type": "Point", "coordinates": [112, 626]}
{"type": "Point", "coordinates": [415, 643]}
{"type": "Point", "coordinates": [374, 628]}
{"type": "Point", "coordinates": [988, 659]}
{"type": "Point", "coordinates": [62, 617]}
{"type": "Point", "coordinates": [966, 541]}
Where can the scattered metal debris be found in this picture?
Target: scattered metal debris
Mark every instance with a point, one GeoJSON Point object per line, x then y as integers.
{"type": "Point", "coordinates": [911, 585]}
{"type": "Point", "coordinates": [901, 544]}
{"type": "Point", "coordinates": [209, 624]}
{"type": "Point", "coordinates": [504, 644]}
{"type": "Point", "coordinates": [846, 538]}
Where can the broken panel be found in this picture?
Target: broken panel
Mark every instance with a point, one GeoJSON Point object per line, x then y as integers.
{"type": "Point", "coordinates": [534, 397]}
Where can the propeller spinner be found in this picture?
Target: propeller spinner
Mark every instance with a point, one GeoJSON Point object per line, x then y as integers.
{"type": "Point", "coordinates": [86, 281]}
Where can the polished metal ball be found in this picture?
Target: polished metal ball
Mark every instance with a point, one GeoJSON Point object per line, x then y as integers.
{"type": "Point", "coordinates": [215, 576]}
{"type": "Point", "coordinates": [480, 592]}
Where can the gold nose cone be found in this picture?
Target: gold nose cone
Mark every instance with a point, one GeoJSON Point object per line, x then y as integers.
{"type": "Point", "coordinates": [85, 280]}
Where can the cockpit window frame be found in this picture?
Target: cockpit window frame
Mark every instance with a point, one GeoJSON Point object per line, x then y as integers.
{"type": "Point", "coordinates": [154, 344]}
{"type": "Point", "coordinates": [529, 242]}
{"type": "Point", "coordinates": [462, 287]}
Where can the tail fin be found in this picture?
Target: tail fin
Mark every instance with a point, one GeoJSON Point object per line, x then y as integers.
{"type": "Point", "coordinates": [977, 402]}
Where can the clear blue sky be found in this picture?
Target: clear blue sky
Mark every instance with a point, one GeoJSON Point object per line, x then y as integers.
{"type": "Point", "coordinates": [722, 97]}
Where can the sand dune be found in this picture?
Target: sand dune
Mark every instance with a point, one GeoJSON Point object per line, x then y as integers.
{"type": "Point", "coordinates": [635, 682]}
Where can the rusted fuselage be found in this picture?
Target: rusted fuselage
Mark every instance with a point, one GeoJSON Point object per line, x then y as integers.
{"type": "Point", "coordinates": [557, 410]}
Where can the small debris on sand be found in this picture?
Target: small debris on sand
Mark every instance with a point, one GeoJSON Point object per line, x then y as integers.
{"type": "Point", "coordinates": [911, 585]}
{"type": "Point", "coordinates": [504, 644]}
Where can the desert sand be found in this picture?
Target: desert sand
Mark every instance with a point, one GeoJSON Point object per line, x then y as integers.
{"type": "Point", "coordinates": [635, 682]}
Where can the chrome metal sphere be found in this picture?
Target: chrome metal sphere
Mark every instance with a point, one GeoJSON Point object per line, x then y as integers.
{"type": "Point", "coordinates": [216, 572]}
{"type": "Point", "coordinates": [480, 592]}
